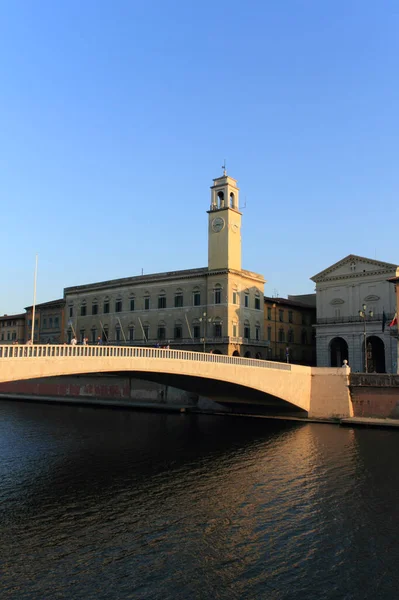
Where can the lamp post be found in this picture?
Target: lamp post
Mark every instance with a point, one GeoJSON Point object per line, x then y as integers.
{"type": "Point", "coordinates": [204, 319]}
{"type": "Point", "coordinates": [363, 315]}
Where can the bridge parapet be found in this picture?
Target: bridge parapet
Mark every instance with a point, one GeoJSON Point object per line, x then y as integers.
{"type": "Point", "coordinates": [67, 351]}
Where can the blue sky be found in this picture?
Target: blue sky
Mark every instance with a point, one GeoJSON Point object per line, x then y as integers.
{"type": "Point", "coordinates": [116, 116]}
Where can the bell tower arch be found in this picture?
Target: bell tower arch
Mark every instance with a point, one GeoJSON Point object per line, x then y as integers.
{"type": "Point", "coordinates": [224, 225]}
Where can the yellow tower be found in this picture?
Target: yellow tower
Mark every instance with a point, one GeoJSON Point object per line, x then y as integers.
{"type": "Point", "coordinates": [224, 233]}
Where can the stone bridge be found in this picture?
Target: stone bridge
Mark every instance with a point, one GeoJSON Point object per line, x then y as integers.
{"type": "Point", "coordinates": [315, 392]}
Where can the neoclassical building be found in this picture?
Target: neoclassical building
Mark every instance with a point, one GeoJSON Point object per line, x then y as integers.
{"type": "Point", "coordinates": [217, 308]}
{"type": "Point", "coordinates": [355, 304]}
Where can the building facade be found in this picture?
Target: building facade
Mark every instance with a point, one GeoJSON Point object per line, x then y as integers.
{"type": "Point", "coordinates": [288, 327]}
{"type": "Point", "coordinates": [217, 308]}
{"type": "Point", "coordinates": [355, 304]}
{"type": "Point", "coordinates": [12, 329]}
{"type": "Point", "coordinates": [49, 322]}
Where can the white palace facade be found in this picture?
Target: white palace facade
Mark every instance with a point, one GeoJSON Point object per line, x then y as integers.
{"type": "Point", "coordinates": [217, 308]}
{"type": "Point", "coordinates": [355, 304]}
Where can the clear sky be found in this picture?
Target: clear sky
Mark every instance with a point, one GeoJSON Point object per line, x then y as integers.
{"type": "Point", "coordinates": [116, 116]}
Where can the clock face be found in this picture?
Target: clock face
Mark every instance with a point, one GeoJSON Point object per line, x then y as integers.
{"type": "Point", "coordinates": [217, 224]}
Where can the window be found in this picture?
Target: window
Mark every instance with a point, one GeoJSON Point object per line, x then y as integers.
{"type": "Point", "coordinates": [217, 329]}
{"type": "Point", "coordinates": [44, 323]}
{"type": "Point", "coordinates": [117, 333]}
{"type": "Point", "coordinates": [146, 303]}
{"type": "Point", "coordinates": [161, 332]}
{"type": "Point", "coordinates": [14, 335]}
{"type": "Point", "coordinates": [281, 335]}
{"type": "Point", "coordinates": [93, 335]}
{"type": "Point", "coordinates": [118, 305]}
{"type": "Point", "coordinates": [235, 297]}
{"type": "Point", "coordinates": [82, 335]}
{"type": "Point", "coordinates": [269, 313]}
{"type": "Point", "coordinates": [290, 317]}
{"type": "Point", "coordinates": [257, 332]}
{"type": "Point", "coordinates": [178, 332]}
{"type": "Point", "coordinates": [56, 321]}
{"type": "Point", "coordinates": [290, 337]}
{"type": "Point", "coordinates": [178, 299]}
{"type": "Point", "coordinates": [196, 298]}
{"type": "Point", "coordinates": [131, 333]}
{"type": "Point", "coordinates": [8, 335]}
{"type": "Point", "coordinates": [162, 301]}
{"type": "Point", "coordinates": [146, 330]}
{"type": "Point", "coordinates": [197, 331]}
{"type": "Point", "coordinates": [217, 294]}
{"type": "Point", "coordinates": [106, 307]}
{"type": "Point", "coordinates": [71, 311]}
{"type": "Point", "coordinates": [281, 315]}
{"type": "Point", "coordinates": [69, 336]}
{"type": "Point", "coordinates": [304, 338]}
{"type": "Point", "coordinates": [94, 308]}
{"type": "Point", "coordinates": [234, 329]}
{"type": "Point", "coordinates": [50, 322]}
{"type": "Point", "coordinates": [269, 333]}
{"type": "Point", "coordinates": [257, 302]}
{"type": "Point", "coordinates": [246, 300]}
{"type": "Point", "coordinates": [247, 330]}
{"type": "Point", "coordinates": [131, 303]}
{"type": "Point", "coordinates": [83, 310]}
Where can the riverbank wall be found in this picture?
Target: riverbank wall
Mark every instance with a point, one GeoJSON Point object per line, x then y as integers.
{"type": "Point", "coordinates": [108, 388]}
{"type": "Point", "coordinates": [375, 395]}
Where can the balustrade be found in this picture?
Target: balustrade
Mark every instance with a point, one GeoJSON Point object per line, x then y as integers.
{"type": "Point", "coordinates": [49, 351]}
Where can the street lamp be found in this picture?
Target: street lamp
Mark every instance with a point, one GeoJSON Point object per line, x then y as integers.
{"type": "Point", "coordinates": [363, 315]}
{"type": "Point", "coordinates": [204, 320]}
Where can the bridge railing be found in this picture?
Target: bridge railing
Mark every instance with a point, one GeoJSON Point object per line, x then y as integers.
{"type": "Point", "coordinates": [48, 351]}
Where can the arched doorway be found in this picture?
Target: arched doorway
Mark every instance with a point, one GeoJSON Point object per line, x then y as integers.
{"type": "Point", "coordinates": [236, 353]}
{"type": "Point", "coordinates": [247, 354]}
{"type": "Point", "coordinates": [375, 355]}
{"type": "Point", "coordinates": [338, 352]}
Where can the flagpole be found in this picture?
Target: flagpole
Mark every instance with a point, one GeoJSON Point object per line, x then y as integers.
{"type": "Point", "coordinates": [34, 302]}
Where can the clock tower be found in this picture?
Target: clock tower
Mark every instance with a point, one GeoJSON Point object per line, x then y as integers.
{"type": "Point", "coordinates": [224, 231]}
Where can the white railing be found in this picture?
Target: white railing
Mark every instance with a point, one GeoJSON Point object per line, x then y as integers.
{"type": "Point", "coordinates": [65, 351]}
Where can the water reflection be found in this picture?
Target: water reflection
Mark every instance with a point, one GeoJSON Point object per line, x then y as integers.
{"type": "Point", "coordinates": [120, 504]}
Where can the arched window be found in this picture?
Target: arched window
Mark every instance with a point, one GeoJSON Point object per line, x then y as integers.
{"type": "Point", "coordinates": [131, 332]}
{"type": "Point", "coordinates": [257, 300]}
{"type": "Point", "coordinates": [94, 307]}
{"type": "Point", "coordinates": [235, 295]}
{"type": "Point", "coordinates": [232, 201]}
{"type": "Point", "coordinates": [106, 305]}
{"type": "Point", "coordinates": [247, 330]}
{"type": "Point", "coordinates": [118, 304]}
{"type": "Point", "coordinates": [220, 200]}
{"type": "Point", "coordinates": [117, 333]}
{"type": "Point", "coordinates": [161, 330]}
{"type": "Point", "coordinates": [217, 328]}
{"type": "Point", "coordinates": [196, 297]}
{"type": "Point", "coordinates": [146, 301]}
{"type": "Point", "coordinates": [162, 299]}
{"type": "Point", "coordinates": [246, 298]}
{"type": "Point", "coordinates": [217, 293]}
{"type": "Point", "coordinates": [178, 330]}
{"type": "Point", "coordinates": [257, 331]}
{"type": "Point", "coordinates": [83, 309]}
{"type": "Point", "coordinates": [196, 333]}
{"type": "Point", "coordinates": [132, 300]}
{"type": "Point", "coordinates": [178, 298]}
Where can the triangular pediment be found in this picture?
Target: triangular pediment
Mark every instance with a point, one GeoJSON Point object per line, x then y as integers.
{"type": "Point", "coordinates": [355, 266]}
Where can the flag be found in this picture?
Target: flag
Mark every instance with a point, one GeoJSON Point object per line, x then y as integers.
{"type": "Point", "coordinates": [384, 320]}
{"type": "Point", "coordinates": [394, 320]}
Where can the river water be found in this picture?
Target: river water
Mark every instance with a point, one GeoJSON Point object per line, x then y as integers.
{"type": "Point", "coordinates": [104, 504]}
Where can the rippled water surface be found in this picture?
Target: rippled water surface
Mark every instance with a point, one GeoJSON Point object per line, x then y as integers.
{"type": "Point", "coordinates": [102, 504]}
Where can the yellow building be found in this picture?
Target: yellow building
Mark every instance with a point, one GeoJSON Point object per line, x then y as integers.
{"type": "Point", "coordinates": [217, 308]}
{"type": "Point", "coordinates": [288, 327]}
{"type": "Point", "coordinates": [12, 329]}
